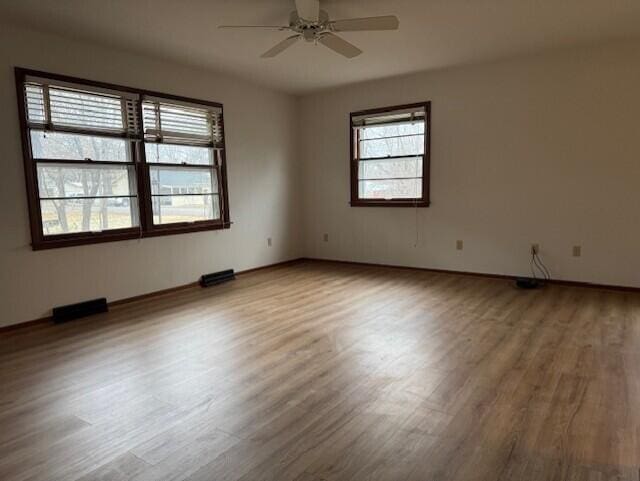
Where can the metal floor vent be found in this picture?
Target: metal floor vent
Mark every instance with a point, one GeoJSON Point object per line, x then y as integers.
{"type": "Point", "coordinates": [208, 280]}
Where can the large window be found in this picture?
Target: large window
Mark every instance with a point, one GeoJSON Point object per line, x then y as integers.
{"type": "Point", "coordinates": [104, 162]}
{"type": "Point", "coordinates": [390, 156]}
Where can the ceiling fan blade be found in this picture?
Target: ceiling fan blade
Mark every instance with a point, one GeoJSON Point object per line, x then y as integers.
{"type": "Point", "coordinates": [308, 9]}
{"type": "Point", "coordinates": [281, 47]}
{"type": "Point", "coordinates": [339, 45]}
{"type": "Point", "coordinates": [272, 27]}
{"type": "Point", "coordinates": [389, 22]}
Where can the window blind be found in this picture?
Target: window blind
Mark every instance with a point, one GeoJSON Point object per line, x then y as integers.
{"type": "Point", "coordinates": [181, 123]}
{"type": "Point", "coordinates": [391, 117]}
{"type": "Point", "coordinates": [69, 109]}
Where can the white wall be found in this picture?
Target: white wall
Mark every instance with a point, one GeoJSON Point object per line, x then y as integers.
{"type": "Point", "coordinates": [543, 149]}
{"type": "Point", "coordinates": [262, 168]}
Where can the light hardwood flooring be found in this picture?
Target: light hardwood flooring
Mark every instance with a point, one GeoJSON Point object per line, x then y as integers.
{"type": "Point", "coordinates": [324, 371]}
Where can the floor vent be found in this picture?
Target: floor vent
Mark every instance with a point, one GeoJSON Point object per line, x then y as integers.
{"type": "Point", "coordinates": [82, 309]}
{"type": "Point", "coordinates": [208, 280]}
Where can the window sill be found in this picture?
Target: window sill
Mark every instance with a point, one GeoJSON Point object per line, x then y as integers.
{"type": "Point", "coordinates": [185, 228]}
{"type": "Point", "coordinates": [55, 242]}
{"type": "Point", "coordinates": [390, 203]}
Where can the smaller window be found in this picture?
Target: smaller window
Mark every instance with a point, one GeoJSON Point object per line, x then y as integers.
{"type": "Point", "coordinates": [390, 156]}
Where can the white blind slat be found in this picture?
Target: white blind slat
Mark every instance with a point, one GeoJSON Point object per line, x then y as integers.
{"type": "Point", "coordinates": [85, 110]}
{"type": "Point", "coordinates": [36, 111]}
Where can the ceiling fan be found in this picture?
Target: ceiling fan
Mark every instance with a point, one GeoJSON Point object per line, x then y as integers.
{"type": "Point", "coordinates": [312, 24]}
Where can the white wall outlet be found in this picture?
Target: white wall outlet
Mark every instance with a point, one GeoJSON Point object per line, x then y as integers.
{"type": "Point", "coordinates": [577, 251]}
{"type": "Point", "coordinates": [269, 241]}
{"type": "Point", "coordinates": [459, 245]}
{"type": "Point", "coordinates": [325, 237]}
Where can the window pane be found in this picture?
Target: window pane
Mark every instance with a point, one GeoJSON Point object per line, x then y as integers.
{"type": "Point", "coordinates": [390, 168]}
{"type": "Point", "coordinates": [87, 215]}
{"type": "Point", "coordinates": [390, 189]}
{"type": "Point", "coordinates": [178, 154]}
{"type": "Point", "coordinates": [392, 130]}
{"type": "Point", "coordinates": [182, 181]}
{"type": "Point", "coordinates": [56, 145]}
{"type": "Point", "coordinates": [65, 180]}
{"type": "Point", "coordinates": [185, 208]}
{"type": "Point", "coordinates": [392, 146]}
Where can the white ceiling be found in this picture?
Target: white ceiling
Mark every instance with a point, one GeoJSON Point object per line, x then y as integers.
{"type": "Point", "coordinates": [433, 33]}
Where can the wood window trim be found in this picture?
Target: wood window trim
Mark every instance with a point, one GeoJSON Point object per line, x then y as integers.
{"type": "Point", "coordinates": [146, 228]}
{"type": "Point", "coordinates": [426, 163]}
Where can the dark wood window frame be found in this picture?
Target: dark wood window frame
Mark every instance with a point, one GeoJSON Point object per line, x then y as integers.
{"type": "Point", "coordinates": [356, 201]}
{"type": "Point", "coordinates": [146, 228]}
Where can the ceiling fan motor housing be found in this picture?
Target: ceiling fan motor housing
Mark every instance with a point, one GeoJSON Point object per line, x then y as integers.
{"type": "Point", "coordinates": [309, 34]}
{"type": "Point", "coordinates": [310, 30]}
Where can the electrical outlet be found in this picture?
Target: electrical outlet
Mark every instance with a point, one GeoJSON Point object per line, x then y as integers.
{"type": "Point", "coordinates": [535, 249]}
{"type": "Point", "coordinates": [269, 241]}
{"type": "Point", "coordinates": [325, 237]}
{"type": "Point", "coordinates": [459, 245]}
{"type": "Point", "coordinates": [577, 251]}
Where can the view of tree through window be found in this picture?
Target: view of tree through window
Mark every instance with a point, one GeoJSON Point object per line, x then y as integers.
{"type": "Point", "coordinates": [81, 187]}
{"type": "Point", "coordinates": [389, 152]}
{"type": "Point", "coordinates": [85, 142]}
{"type": "Point", "coordinates": [85, 198]}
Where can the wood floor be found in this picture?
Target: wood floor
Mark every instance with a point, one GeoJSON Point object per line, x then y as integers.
{"type": "Point", "coordinates": [322, 371]}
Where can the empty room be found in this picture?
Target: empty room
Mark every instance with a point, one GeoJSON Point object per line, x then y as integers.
{"type": "Point", "coordinates": [320, 240]}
